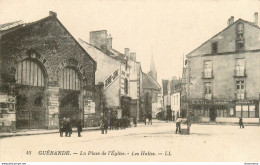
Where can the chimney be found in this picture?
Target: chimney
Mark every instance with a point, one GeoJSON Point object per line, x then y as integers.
{"type": "Point", "coordinates": [133, 56]}
{"type": "Point", "coordinates": [98, 39]}
{"type": "Point", "coordinates": [231, 20]}
{"type": "Point", "coordinates": [256, 18]}
{"type": "Point", "coordinates": [228, 22]}
{"type": "Point", "coordinates": [53, 14]}
{"type": "Point", "coordinates": [127, 50]}
{"type": "Point", "coordinates": [109, 42]}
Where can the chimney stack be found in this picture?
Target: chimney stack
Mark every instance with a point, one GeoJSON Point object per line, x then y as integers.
{"type": "Point", "coordinates": [133, 56]}
{"type": "Point", "coordinates": [256, 18]}
{"type": "Point", "coordinates": [230, 20]}
{"type": "Point", "coordinates": [53, 14]}
{"type": "Point", "coordinates": [109, 42]}
{"type": "Point", "coordinates": [127, 50]}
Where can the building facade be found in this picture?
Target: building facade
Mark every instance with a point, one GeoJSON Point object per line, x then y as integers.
{"type": "Point", "coordinates": [223, 74]}
{"type": "Point", "coordinates": [136, 87]}
{"type": "Point", "coordinates": [113, 71]}
{"type": "Point", "coordinates": [46, 70]}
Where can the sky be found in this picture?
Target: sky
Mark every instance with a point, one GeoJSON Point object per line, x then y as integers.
{"type": "Point", "coordinates": [168, 29]}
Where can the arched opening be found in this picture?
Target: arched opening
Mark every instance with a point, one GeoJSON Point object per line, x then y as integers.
{"type": "Point", "coordinates": [30, 78]}
{"type": "Point", "coordinates": [70, 85]}
{"type": "Point", "coordinates": [30, 72]}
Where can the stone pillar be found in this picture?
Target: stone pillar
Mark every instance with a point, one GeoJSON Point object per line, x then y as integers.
{"type": "Point", "coordinates": [52, 119]}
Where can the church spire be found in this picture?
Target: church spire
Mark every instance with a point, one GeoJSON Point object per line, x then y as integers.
{"type": "Point", "coordinates": [153, 71]}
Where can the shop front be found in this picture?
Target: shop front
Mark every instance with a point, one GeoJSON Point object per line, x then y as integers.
{"type": "Point", "coordinates": [225, 111]}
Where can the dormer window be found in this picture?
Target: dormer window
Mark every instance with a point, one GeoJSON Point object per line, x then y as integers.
{"type": "Point", "coordinates": [214, 47]}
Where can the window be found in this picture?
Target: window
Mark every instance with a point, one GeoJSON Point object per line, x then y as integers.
{"type": "Point", "coordinates": [240, 67]}
{"type": "Point", "coordinates": [207, 90]}
{"type": "Point", "coordinates": [214, 47]}
{"type": "Point", "coordinates": [29, 72]}
{"type": "Point", "coordinates": [69, 79]}
{"type": "Point", "coordinates": [207, 69]}
{"type": "Point", "coordinates": [126, 86]}
{"type": "Point", "coordinates": [240, 85]}
{"type": "Point", "coordinates": [240, 28]}
{"type": "Point", "coordinates": [240, 37]}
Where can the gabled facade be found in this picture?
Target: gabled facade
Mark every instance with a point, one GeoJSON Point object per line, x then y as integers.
{"type": "Point", "coordinates": [113, 71]}
{"type": "Point", "coordinates": [47, 71]}
{"type": "Point", "coordinates": [223, 74]}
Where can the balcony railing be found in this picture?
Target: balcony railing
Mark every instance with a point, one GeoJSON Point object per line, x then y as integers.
{"type": "Point", "coordinates": [240, 73]}
{"type": "Point", "coordinates": [207, 74]}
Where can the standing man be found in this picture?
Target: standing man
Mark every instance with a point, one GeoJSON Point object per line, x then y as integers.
{"type": "Point", "coordinates": [79, 127]}
{"type": "Point", "coordinates": [178, 125]}
{"type": "Point", "coordinates": [241, 124]}
{"type": "Point", "coordinates": [61, 127]}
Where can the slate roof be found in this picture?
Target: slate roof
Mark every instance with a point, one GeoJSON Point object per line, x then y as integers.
{"type": "Point", "coordinates": [150, 83]}
{"type": "Point", "coordinates": [24, 25]}
{"type": "Point", "coordinates": [250, 23]}
{"type": "Point", "coordinates": [110, 53]}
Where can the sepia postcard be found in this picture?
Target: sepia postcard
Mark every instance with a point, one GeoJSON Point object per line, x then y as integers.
{"type": "Point", "coordinates": [129, 81]}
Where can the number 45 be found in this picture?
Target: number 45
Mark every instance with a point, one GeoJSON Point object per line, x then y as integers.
{"type": "Point", "coordinates": [28, 152]}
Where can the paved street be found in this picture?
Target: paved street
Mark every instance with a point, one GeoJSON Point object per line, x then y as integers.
{"type": "Point", "coordinates": [147, 143]}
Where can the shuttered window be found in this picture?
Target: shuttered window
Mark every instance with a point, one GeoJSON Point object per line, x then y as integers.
{"type": "Point", "coordinates": [69, 79]}
{"type": "Point", "coordinates": [29, 73]}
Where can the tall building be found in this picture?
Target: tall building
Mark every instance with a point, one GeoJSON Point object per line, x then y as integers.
{"type": "Point", "coordinates": [113, 70]}
{"type": "Point", "coordinates": [46, 70]}
{"type": "Point", "coordinates": [223, 74]}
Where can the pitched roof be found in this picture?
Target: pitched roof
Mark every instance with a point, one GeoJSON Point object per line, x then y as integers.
{"type": "Point", "coordinates": [110, 53]}
{"type": "Point", "coordinates": [22, 25]}
{"type": "Point", "coordinates": [250, 23]}
{"type": "Point", "coordinates": [149, 83]}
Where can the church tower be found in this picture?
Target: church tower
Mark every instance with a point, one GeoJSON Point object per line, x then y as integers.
{"type": "Point", "coordinates": [153, 72]}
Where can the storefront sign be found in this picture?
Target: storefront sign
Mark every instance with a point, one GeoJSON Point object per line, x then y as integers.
{"type": "Point", "coordinates": [89, 106]}
{"type": "Point", "coordinates": [3, 98]}
{"type": "Point", "coordinates": [53, 91]}
{"type": "Point", "coordinates": [53, 103]}
{"type": "Point", "coordinates": [53, 109]}
{"type": "Point", "coordinates": [231, 112]}
{"type": "Point", "coordinates": [119, 113]}
{"type": "Point", "coordinates": [53, 100]}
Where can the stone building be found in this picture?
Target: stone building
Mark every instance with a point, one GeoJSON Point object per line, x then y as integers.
{"type": "Point", "coordinates": [46, 70]}
{"type": "Point", "coordinates": [223, 74]}
{"type": "Point", "coordinates": [113, 71]}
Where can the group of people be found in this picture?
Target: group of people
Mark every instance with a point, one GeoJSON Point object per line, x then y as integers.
{"type": "Point", "coordinates": [115, 124]}
{"type": "Point", "coordinates": [66, 127]}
